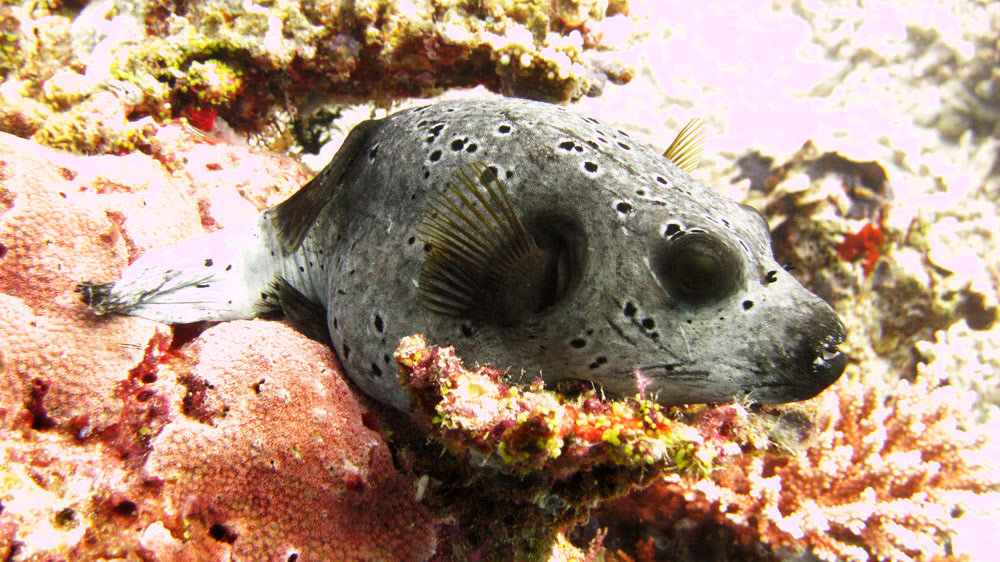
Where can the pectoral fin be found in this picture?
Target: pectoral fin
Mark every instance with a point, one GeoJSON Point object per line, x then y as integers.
{"type": "Point", "coordinates": [483, 264]}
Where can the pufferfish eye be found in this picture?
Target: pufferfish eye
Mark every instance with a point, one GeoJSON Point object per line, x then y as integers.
{"type": "Point", "coordinates": [697, 268]}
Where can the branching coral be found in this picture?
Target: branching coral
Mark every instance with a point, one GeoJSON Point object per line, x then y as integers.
{"type": "Point", "coordinates": [887, 475]}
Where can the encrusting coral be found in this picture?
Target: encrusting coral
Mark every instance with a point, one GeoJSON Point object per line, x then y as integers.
{"type": "Point", "coordinates": [480, 417]}
{"type": "Point", "coordinates": [124, 438]}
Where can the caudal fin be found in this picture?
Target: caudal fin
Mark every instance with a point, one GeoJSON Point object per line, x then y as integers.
{"type": "Point", "coordinates": [220, 276]}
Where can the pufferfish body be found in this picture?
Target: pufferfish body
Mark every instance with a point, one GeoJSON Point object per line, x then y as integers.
{"type": "Point", "coordinates": [533, 239]}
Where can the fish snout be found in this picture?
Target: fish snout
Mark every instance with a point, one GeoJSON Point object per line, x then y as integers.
{"type": "Point", "coordinates": [819, 356]}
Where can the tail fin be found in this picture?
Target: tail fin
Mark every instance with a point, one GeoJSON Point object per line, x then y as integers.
{"type": "Point", "coordinates": [220, 276]}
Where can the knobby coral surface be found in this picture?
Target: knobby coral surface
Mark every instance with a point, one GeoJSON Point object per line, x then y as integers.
{"type": "Point", "coordinates": [123, 438]}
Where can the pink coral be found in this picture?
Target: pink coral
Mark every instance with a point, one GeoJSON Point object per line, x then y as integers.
{"type": "Point", "coordinates": [124, 438]}
{"type": "Point", "coordinates": [886, 475]}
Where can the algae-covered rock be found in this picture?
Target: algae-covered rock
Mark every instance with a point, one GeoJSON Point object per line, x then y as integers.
{"type": "Point", "coordinates": [258, 64]}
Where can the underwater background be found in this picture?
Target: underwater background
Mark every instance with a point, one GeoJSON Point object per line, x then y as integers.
{"type": "Point", "coordinates": [867, 133]}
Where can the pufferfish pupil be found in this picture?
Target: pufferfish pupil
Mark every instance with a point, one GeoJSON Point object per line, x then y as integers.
{"type": "Point", "coordinates": [547, 244]}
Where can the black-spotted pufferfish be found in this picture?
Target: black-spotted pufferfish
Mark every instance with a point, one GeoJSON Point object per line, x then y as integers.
{"type": "Point", "coordinates": [531, 238]}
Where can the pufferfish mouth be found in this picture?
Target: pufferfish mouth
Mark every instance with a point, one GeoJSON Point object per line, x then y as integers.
{"type": "Point", "coordinates": [824, 363]}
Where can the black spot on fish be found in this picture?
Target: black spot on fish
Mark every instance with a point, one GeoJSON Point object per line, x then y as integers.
{"type": "Point", "coordinates": [376, 370]}
{"type": "Point", "coordinates": [436, 129]}
{"type": "Point", "coordinates": [228, 267]}
{"type": "Point", "coordinates": [435, 156]}
{"type": "Point", "coordinates": [471, 148]}
{"type": "Point", "coordinates": [335, 323]}
{"type": "Point", "coordinates": [598, 362]}
{"type": "Point", "coordinates": [591, 144]}
{"type": "Point", "coordinates": [202, 286]}
{"type": "Point", "coordinates": [466, 330]}
{"type": "Point", "coordinates": [379, 325]}
{"type": "Point", "coordinates": [503, 129]}
{"type": "Point", "coordinates": [625, 146]}
{"type": "Point", "coordinates": [661, 179]}
{"type": "Point", "coordinates": [302, 269]}
{"type": "Point", "coordinates": [671, 229]}
{"type": "Point", "coordinates": [411, 240]}
{"type": "Point", "coordinates": [590, 167]}
{"type": "Point", "coordinates": [208, 262]}
{"type": "Point", "coordinates": [386, 359]}
{"type": "Point", "coordinates": [771, 277]}
{"type": "Point", "coordinates": [372, 153]}
{"type": "Point", "coordinates": [567, 145]}
{"type": "Point", "coordinates": [457, 144]}
{"type": "Point", "coordinates": [346, 349]}
{"type": "Point", "coordinates": [578, 342]}
{"type": "Point", "coordinates": [747, 305]}
{"type": "Point", "coordinates": [624, 207]}
{"type": "Point", "coordinates": [630, 309]}
{"type": "Point", "coordinates": [427, 174]}
{"type": "Point", "coordinates": [622, 133]}
{"type": "Point", "coordinates": [640, 192]}
{"type": "Point", "coordinates": [648, 323]}
{"type": "Point", "coordinates": [509, 174]}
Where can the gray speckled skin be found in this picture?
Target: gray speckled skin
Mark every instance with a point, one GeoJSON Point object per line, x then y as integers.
{"type": "Point", "coordinates": [541, 153]}
{"type": "Point", "coordinates": [768, 340]}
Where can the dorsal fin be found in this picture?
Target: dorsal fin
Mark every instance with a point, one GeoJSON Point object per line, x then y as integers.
{"type": "Point", "coordinates": [686, 149]}
{"type": "Point", "coordinates": [295, 216]}
{"type": "Point", "coordinates": [483, 264]}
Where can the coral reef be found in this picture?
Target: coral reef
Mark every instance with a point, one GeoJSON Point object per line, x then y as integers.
{"type": "Point", "coordinates": [121, 438]}
{"type": "Point", "coordinates": [881, 474]}
{"type": "Point", "coordinates": [907, 86]}
{"type": "Point", "coordinates": [264, 67]}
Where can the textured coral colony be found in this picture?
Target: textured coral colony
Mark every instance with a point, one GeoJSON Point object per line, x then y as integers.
{"type": "Point", "coordinates": [131, 124]}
